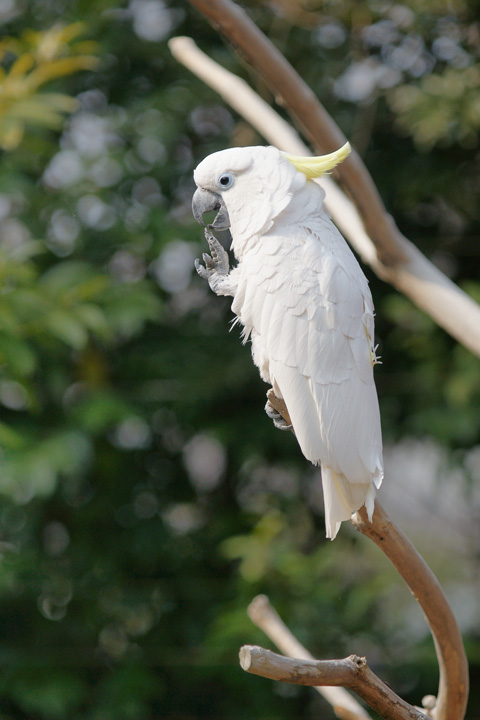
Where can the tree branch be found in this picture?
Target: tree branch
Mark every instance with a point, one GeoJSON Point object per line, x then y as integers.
{"type": "Point", "coordinates": [424, 586]}
{"type": "Point", "coordinates": [351, 672]}
{"type": "Point", "coordinates": [416, 277]}
{"type": "Point", "coordinates": [317, 125]}
{"type": "Point", "coordinates": [452, 661]}
{"type": "Point", "coordinates": [264, 616]}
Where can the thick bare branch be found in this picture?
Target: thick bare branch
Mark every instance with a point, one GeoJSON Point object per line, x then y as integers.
{"type": "Point", "coordinates": [452, 662]}
{"type": "Point", "coordinates": [424, 586]}
{"type": "Point", "coordinates": [416, 277]}
{"type": "Point", "coordinates": [324, 134]}
{"type": "Point", "coordinates": [238, 94]}
{"type": "Point", "coordinates": [264, 616]}
{"type": "Point", "coordinates": [351, 672]}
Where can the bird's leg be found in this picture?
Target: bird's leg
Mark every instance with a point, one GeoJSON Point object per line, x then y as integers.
{"type": "Point", "coordinates": [216, 269]}
{"type": "Point", "coordinates": [277, 411]}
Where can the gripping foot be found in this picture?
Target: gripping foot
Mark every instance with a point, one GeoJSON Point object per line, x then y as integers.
{"type": "Point", "coordinates": [273, 409]}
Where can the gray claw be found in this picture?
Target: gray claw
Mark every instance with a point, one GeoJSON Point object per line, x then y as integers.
{"type": "Point", "coordinates": [219, 259]}
{"type": "Point", "coordinates": [215, 265]}
{"type": "Point", "coordinates": [278, 419]}
{"type": "Point", "coordinates": [203, 272]}
{"type": "Point", "coordinates": [209, 262]}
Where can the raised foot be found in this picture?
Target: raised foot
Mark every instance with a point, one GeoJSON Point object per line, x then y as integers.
{"type": "Point", "coordinates": [216, 264]}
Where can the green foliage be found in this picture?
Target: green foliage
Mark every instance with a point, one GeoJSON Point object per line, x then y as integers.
{"type": "Point", "coordinates": [27, 63]}
{"type": "Point", "coordinates": [444, 108]}
{"type": "Point", "coordinates": [144, 496]}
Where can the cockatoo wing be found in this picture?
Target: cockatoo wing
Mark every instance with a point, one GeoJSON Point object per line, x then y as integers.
{"type": "Point", "coordinates": [306, 305]}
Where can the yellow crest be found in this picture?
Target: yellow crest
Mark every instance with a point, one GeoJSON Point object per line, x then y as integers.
{"type": "Point", "coordinates": [313, 167]}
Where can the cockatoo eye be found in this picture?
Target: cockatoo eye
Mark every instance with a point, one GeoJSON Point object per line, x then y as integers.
{"type": "Point", "coordinates": [225, 181]}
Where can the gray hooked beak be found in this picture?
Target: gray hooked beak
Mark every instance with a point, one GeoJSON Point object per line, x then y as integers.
{"type": "Point", "coordinates": [203, 201]}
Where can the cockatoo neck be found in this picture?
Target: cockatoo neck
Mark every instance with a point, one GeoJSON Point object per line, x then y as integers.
{"type": "Point", "coordinates": [273, 205]}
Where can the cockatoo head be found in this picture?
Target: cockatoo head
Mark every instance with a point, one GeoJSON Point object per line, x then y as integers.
{"type": "Point", "coordinates": [249, 187]}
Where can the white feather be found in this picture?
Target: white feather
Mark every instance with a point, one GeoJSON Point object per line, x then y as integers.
{"type": "Point", "coordinates": [306, 305]}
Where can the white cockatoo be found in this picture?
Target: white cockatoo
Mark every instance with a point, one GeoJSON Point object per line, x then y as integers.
{"type": "Point", "coordinates": [305, 305]}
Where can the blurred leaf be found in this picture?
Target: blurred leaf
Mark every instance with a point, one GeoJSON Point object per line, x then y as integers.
{"type": "Point", "coordinates": [17, 355]}
{"type": "Point", "coordinates": [443, 107]}
{"type": "Point", "coordinates": [99, 410]}
{"type": "Point", "coordinates": [10, 439]}
{"type": "Point", "coordinates": [64, 327]}
{"type": "Point", "coordinates": [93, 318]}
{"type": "Point", "coordinates": [49, 695]}
{"type": "Point", "coordinates": [73, 278]}
{"type": "Point", "coordinates": [128, 308]}
{"type": "Point", "coordinates": [36, 470]}
{"type": "Point", "coordinates": [40, 60]}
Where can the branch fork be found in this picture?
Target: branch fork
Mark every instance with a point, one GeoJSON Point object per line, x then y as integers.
{"type": "Point", "coordinates": [452, 661]}
{"type": "Point", "coordinates": [351, 672]}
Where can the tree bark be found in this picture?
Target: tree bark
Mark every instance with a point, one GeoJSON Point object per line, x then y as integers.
{"type": "Point", "coordinates": [351, 672]}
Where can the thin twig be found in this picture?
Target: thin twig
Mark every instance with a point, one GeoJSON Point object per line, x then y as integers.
{"type": "Point", "coordinates": [417, 278]}
{"type": "Point", "coordinates": [264, 616]}
{"type": "Point", "coordinates": [351, 672]}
